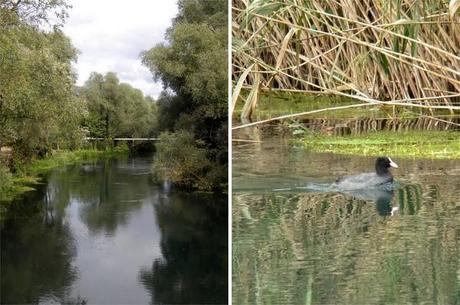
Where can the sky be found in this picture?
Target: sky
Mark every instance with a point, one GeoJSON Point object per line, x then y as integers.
{"type": "Point", "coordinates": [110, 34]}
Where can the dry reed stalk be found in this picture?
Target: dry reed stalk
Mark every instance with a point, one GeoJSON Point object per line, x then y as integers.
{"type": "Point", "coordinates": [372, 51]}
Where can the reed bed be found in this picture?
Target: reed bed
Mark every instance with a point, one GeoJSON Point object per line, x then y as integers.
{"type": "Point", "coordinates": [389, 53]}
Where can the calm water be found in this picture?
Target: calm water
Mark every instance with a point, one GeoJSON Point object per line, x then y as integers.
{"type": "Point", "coordinates": [101, 233]}
{"type": "Point", "coordinates": [298, 244]}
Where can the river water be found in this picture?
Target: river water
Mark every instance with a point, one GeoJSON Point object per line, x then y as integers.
{"type": "Point", "coordinates": [102, 233]}
{"type": "Point", "coordinates": [298, 244]}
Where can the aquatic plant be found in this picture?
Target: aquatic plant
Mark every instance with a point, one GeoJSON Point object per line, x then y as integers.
{"type": "Point", "coordinates": [413, 144]}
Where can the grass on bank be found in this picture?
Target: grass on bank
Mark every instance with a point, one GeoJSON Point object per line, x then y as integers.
{"type": "Point", "coordinates": [62, 158]}
{"type": "Point", "coordinates": [411, 144]}
{"type": "Point", "coordinates": [12, 185]}
{"type": "Point", "coordinates": [278, 103]}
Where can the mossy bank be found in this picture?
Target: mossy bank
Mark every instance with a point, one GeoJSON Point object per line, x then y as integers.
{"type": "Point", "coordinates": [27, 175]}
{"type": "Point", "coordinates": [411, 144]}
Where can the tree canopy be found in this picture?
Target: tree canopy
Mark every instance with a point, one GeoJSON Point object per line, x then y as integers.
{"type": "Point", "coordinates": [38, 108]}
{"type": "Point", "coordinates": [116, 109]}
{"type": "Point", "coordinates": [192, 64]}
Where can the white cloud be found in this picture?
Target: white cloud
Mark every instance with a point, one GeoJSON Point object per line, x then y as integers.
{"type": "Point", "coordinates": [110, 34]}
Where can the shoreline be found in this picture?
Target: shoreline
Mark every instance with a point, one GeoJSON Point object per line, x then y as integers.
{"type": "Point", "coordinates": [29, 174]}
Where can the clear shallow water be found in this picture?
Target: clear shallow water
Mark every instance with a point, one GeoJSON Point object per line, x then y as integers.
{"type": "Point", "coordinates": [101, 233]}
{"type": "Point", "coordinates": [294, 244]}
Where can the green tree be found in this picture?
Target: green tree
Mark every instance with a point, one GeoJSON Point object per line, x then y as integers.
{"type": "Point", "coordinates": [117, 109]}
{"type": "Point", "coordinates": [192, 66]}
{"type": "Point", "coordinates": [38, 108]}
{"type": "Point", "coordinates": [33, 12]}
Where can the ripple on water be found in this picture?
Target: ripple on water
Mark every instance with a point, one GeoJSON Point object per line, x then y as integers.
{"type": "Point", "coordinates": [296, 242]}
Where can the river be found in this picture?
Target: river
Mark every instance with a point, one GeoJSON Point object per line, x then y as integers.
{"type": "Point", "coordinates": [298, 244]}
{"type": "Point", "coordinates": [102, 233]}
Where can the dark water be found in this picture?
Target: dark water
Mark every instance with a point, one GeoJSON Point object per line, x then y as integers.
{"type": "Point", "coordinates": [297, 244]}
{"type": "Point", "coordinates": [101, 233]}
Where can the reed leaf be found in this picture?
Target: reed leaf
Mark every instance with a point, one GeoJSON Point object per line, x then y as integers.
{"type": "Point", "coordinates": [262, 7]}
{"type": "Point", "coordinates": [454, 6]}
{"type": "Point", "coordinates": [239, 85]}
{"type": "Point", "coordinates": [403, 52]}
{"type": "Point", "coordinates": [252, 99]}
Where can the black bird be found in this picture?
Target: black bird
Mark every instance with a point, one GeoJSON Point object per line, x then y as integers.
{"type": "Point", "coordinates": [368, 180]}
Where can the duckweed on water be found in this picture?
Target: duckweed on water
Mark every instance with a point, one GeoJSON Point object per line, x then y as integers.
{"type": "Point", "coordinates": [412, 144]}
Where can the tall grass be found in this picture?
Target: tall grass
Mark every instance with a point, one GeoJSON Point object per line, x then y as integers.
{"type": "Point", "coordinates": [402, 53]}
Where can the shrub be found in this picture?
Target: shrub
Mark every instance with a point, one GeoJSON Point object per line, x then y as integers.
{"type": "Point", "coordinates": [181, 160]}
{"type": "Point", "coordinates": [6, 180]}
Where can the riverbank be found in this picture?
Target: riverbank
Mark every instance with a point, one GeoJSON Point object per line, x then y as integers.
{"type": "Point", "coordinates": [411, 144]}
{"type": "Point", "coordinates": [28, 175]}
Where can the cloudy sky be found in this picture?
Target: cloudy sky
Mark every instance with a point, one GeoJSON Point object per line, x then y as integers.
{"type": "Point", "coordinates": [110, 34]}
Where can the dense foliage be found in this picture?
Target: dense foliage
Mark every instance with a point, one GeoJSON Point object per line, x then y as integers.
{"type": "Point", "coordinates": [38, 108]}
{"type": "Point", "coordinates": [116, 109]}
{"type": "Point", "coordinates": [193, 107]}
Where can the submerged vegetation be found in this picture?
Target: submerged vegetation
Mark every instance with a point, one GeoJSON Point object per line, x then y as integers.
{"type": "Point", "coordinates": [413, 144]}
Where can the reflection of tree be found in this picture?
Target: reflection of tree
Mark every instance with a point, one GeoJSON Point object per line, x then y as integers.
{"type": "Point", "coordinates": [337, 249]}
{"type": "Point", "coordinates": [106, 196]}
{"type": "Point", "coordinates": [36, 244]}
{"type": "Point", "coordinates": [113, 194]}
{"type": "Point", "coordinates": [193, 269]}
{"type": "Point", "coordinates": [36, 252]}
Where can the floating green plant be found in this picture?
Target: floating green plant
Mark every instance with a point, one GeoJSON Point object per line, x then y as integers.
{"type": "Point", "coordinates": [411, 144]}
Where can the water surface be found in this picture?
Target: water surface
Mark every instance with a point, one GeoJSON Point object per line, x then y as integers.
{"type": "Point", "coordinates": [297, 244]}
{"type": "Point", "coordinates": [101, 233]}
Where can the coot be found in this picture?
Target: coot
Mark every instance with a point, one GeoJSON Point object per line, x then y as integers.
{"type": "Point", "coordinates": [367, 180]}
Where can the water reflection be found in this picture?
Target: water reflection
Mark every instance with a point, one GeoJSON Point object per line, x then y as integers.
{"type": "Point", "coordinates": [313, 247]}
{"type": "Point", "coordinates": [36, 262]}
{"type": "Point", "coordinates": [190, 272]}
{"type": "Point", "coordinates": [101, 233]}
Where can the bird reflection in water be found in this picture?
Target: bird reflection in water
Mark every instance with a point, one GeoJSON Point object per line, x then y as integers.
{"type": "Point", "coordinates": [382, 199]}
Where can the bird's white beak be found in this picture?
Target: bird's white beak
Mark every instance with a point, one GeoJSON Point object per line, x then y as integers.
{"type": "Point", "coordinates": [392, 164]}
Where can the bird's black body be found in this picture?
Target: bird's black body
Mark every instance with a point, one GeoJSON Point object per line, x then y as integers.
{"type": "Point", "coordinates": [381, 175]}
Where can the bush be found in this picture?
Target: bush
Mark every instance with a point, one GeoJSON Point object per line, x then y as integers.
{"type": "Point", "coordinates": [181, 160]}
{"type": "Point", "coordinates": [6, 180]}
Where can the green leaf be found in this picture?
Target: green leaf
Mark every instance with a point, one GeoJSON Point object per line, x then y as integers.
{"type": "Point", "coordinates": [384, 63]}
{"type": "Point", "coordinates": [261, 7]}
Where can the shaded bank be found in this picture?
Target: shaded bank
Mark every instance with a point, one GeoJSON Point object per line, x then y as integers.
{"type": "Point", "coordinates": [29, 175]}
